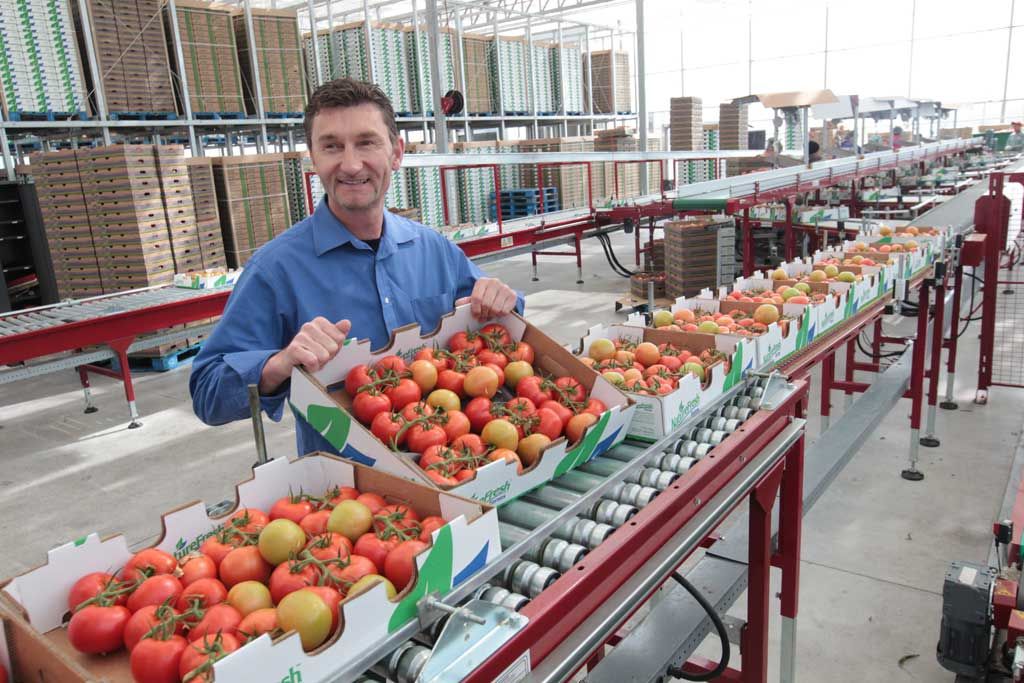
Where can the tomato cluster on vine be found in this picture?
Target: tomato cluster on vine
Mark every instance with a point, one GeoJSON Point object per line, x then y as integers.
{"type": "Point", "coordinates": [479, 400]}
{"type": "Point", "coordinates": [649, 368]}
{"type": "Point", "coordinates": [273, 571]}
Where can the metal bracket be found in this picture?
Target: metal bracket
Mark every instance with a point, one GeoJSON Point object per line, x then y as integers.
{"type": "Point", "coordinates": [430, 608]}
{"type": "Point", "coordinates": [473, 633]}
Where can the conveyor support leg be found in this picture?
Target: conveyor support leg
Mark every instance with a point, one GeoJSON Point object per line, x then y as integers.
{"type": "Point", "coordinates": [915, 393]}
{"type": "Point", "coordinates": [83, 377]}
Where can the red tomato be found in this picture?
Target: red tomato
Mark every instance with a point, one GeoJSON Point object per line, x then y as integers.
{"type": "Point", "coordinates": [428, 526]}
{"type": "Point", "coordinates": [291, 507]}
{"type": "Point", "coordinates": [403, 393]}
{"type": "Point", "coordinates": [441, 479]}
{"type": "Point", "coordinates": [145, 619]}
{"type": "Point", "coordinates": [455, 424]}
{"type": "Point", "coordinates": [488, 357]}
{"type": "Point", "coordinates": [290, 577]}
{"type": "Point", "coordinates": [452, 380]}
{"type": "Point", "coordinates": [577, 425]}
{"type": "Point", "coordinates": [157, 661]}
{"type": "Point", "coordinates": [481, 381]}
{"type": "Point", "coordinates": [523, 351]}
{"type": "Point", "coordinates": [153, 591]}
{"type": "Point", "coordinates": [244, 564]}
{"type": "Point", "coordinates": [98, 630]}
{"type": "Point", "coordinates": [332, 598]}
{"type": "Point", "coordinates": [367, 404]}
{"type": "Point", "coordinates": [521, 407]}
{"type": "Point", "coordinates": [479, 412]}
{"type": "Point", "coordinates": [195, 567]}
{"type": "Point", "coordinates": [534, 388]}
{"type": "Point", "coordinates": [222, 618]}
{"type": "Point", "coordinates": [546, 422]}
{"type": "Point", "coordinates": [417, 410]}
{"type": "Point", "coordinates": [358, 377]}
{"type": "Point", "coordinates": [315, 522]}
{"type": "Point", "coordinates": [495, 335]}
{"type": "Point", "coordinates": [375, 549]}
{"type": "Point", "coordinates": [149, 562]}
{"type": "Point", "coordinates": [393, 363]}
{"type": "Point", "coordinates": [329, 546]}
{"type": "Point", "coordinates": [386, 427]}
{"type": "Point", "coordinates": [597, 407]}
{"type": "Point", "coordinates": [440, 459]}
{"type": "Point", "coordinates": [430, 355]}
{"type": "Point", "coordinates": [204, 592]}
{"type": "Point", "coordinates": [256, 623]}
{"type": "Point", "coordinates": [673, 363]}
{"type": "Point", "coordinates": [340, 493]}
{"type": "Point", "coordinates": [201, 655]}
{"type": "Point", "coordinates": [398, 567]}
{"type": "Point", "coordinates": [564, 414]}
{"type": "Point", "coordinates": [249, 520]}
{"type": "Point", "coordinates": [419, 439]}
{"type": "Point", "coordinates": [571, 390]}
{"type": "Point", "coordinates": [89, 586]}
{"type": "Point", "coordinates": [343, 577]}
{"type": "Point", "coordinates": [469, 444]}
{"type": "Point", "coordinates": [215, 549]}
{"type": "Point", "coordinates": [466, 340]}
{"type": "Point", "coordinates": [374, 501]}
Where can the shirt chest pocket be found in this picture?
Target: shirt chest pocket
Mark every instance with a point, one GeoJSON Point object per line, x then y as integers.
{"type": "Point", "coordinates": [429, 309]}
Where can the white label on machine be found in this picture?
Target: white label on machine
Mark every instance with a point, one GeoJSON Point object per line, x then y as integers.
{"type": "Point", "coordinates": [968, 575]}
{"type": "Point", "coordinates": [517, 671]}
{"type": "Point", "coordinates": [507, 242]}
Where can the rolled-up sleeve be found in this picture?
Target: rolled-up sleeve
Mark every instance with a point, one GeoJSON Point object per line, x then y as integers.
{"type": "Point", "coordinates": [249, 333]}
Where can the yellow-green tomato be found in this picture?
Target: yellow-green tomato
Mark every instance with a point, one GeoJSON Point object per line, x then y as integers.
{"type": "Point", "coordinates": [304, 612]}
{"type": "Point", "coordinates": [351, 519]}
{"type": "Point", "coordinates": [444, 398]}
{"type": "Point", "coordinates": [280, 539]}
{"type": "Point", "coordinates": [249, 596]}
{"type": "Point", "coordinates": [368, 582]}
{"type": "Point", "coordinates": [515, 371]}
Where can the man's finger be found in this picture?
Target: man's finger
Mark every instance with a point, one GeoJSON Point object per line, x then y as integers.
{"type": "Point", "coordinates": [343, 326]}
{"type": "Point", "coordinates": [488, 300]}
{"type": "Point", "coordinates": [306, 359]}
{"type": "Point", "coordinates": [463, 301]}
{"type": "Point", "coordinates": [476, 296]}
{"type": "Point", "coordinates": [508, 302]}
{"type": "Point", "coordinates": [319, 338]}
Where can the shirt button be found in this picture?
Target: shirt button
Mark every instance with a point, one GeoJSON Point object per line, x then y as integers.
{"type": "Point", "coordinates": [387, 300]}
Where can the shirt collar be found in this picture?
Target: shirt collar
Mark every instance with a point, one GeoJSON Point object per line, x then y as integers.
{"type": "Point", "coordinates": [330, 233]}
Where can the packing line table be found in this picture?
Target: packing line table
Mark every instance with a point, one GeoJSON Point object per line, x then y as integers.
{"type": "Point", "coordinates": [116, 324]}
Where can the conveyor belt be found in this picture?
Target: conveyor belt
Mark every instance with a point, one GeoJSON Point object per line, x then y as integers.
{"type": "Point", "coordinates": [959, 210]}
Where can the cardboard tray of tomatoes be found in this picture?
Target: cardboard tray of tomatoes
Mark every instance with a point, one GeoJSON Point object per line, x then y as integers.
{"type": "Point", "coordinates": [827, 311]}
{"type": "Point", "coordinates": [662, 405]}
{"type": "Point", "coordinates": [34, 606]}
{"type": "Point", "coordinates": [494, 471]}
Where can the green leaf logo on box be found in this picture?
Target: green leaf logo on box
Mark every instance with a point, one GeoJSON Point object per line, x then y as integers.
{"type": "Point", "coordinates": [805, 328]}
{"type": "Point", "coordinates": [435, 576]}
{"type": "Point", "coordinates": [332, 423]}
{"type": "Point", "coordinates": [583, 452]}
{"type": "Point", "coordinates": [736, 371]}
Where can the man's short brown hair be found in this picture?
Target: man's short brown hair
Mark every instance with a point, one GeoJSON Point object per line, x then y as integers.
{"type": "Point", "coordinates": [348, 92]}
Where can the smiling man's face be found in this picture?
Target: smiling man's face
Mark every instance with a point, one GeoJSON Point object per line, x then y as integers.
{"type": "Point", "coordinates": [354, 156]}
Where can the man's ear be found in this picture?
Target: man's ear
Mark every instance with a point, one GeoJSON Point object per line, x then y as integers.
{"type": "Point", "coordinates": [398, 154]}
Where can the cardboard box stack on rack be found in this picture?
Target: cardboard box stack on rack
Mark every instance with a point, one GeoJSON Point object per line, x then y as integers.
{"type": "Point", "coordinates": [327, 44]}
{"type": "Point", "coordinates": [567, 67]}
{"type": "Point", "coordinates": [699, 253]}
{"type": "Point", "coordinates": [68, 231]}
{"type": "Point", "coordinates": [425, 188]}
{"type": "Point", "coordinates": [295, 165]}
{"type": "Point", "coordinates": [687, 134]}
{"type": "Point", "coordinates": [508, 75]}
{"type": "Point", "coordinates": [179, 207]}
{"type": "Point", "coordinates": [279, 57]}
{"type": "Point", "coordinates": [204, 201]}
{"type": "Point", "coordinates": [41, 72]}
{"type": "Point", "coordinates": [252, 196]}
{"type": "Point", "coordinates": [476, 52]}
{"type": "Point", "coordinates": [543, 84]}
{"type": "Point", "coordinates": [732, 131]}
{"type": "Point", "coordinates": [211, 66]}
{"type": "Point", "coordinates": [390, 65]}
{"type": "Point", "coordinates": [131, 53]}
{"type": "Point", "coordinates": [600, 69]}
{"type": "Point", "coordinates": [474, 185]}
{"type": "Point", "coordinates": [570, 181]}
{"type": "Point", "coordinates": [418, 64]}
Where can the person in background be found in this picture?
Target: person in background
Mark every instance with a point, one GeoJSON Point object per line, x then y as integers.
{"type": "Point", "coordinates": [897, 138]}
{"type": "Point", "coordinates": [350, 269]}
{"type": "Point", "coordinates": [813, 151]}
{"type": "Point", "coordinates": [1015, 143]}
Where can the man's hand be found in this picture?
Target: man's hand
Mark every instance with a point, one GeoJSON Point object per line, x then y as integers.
{"type": "Point", "coordinates": [491, 298]}
{"type": "Point", "coordinates": [317, 342]}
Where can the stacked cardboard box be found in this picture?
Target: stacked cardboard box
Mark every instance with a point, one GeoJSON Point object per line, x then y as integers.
{"type": "Point", "coordinates": [295, 166]}
{"type": "Point", "coordinates": [567, 67]}
{"type": "Point", "coordinates": [732, 131]}
{"type": "Point", "coordinates": [279, 57]}
{"type": "Point", "coordinates": [508, 59]}
{"type": "Point", "coordinates": [204, 201]}
{"type": "Point", "coordinates": [654, 255]}
{"type": "Point", "coordinates": [66, 221]}
{"type": "Point", "coordinates": [418, 56]}
{"type": "Point", "coordinates": [598, 66]}
{"type": "Point", "coordinates": [510, 175]}
{"type": "Point", "coordinates": [475, 185]}
{"type": "Point", "coordinates": [211, 66]}
{"type": "Point", "coordinates": [424, 187]}
{"type": "Point", "coordinates": [252, 195]}
{"type": "Point", "coordinates": [478, 93]}
{"type": "Point", "coordinates": [619, 139]}
{"type": "Point", "coordinates": [699, 254]}
{"type": "Point", "coordinates": [131, 54]}
{"type": "Point", "coordinates": [344, 52]}
{"type": "Point", "coordinates": [571, 181]}
{"type": "Point", "coordinates": [40, 70]}
{"type": "Point", "coordinates": [391, 64]}
{"type": "Point", "coordinates": [179, 207]}
{"type": "Point", "coordinates": [543, 85]}
{"type": "Point", "coordinates": [686, 123]}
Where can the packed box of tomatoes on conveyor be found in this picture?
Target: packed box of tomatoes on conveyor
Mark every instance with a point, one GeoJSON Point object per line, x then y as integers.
{"type": "Point", "coordinates": [488, 411]}
{"type": "Point", "coordinates": [320, 560]}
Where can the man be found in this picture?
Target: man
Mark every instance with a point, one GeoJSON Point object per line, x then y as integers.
{"type": "Point", "coordinates": [897, 138]}
{"type": "Point", "coordinates": [813, 151]}
{"type": "Point", "coordinates": [1015, 143]}
{"type": "Point", "coordinates": [351, 268]}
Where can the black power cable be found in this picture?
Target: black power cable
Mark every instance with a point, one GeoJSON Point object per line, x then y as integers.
{"type": "Point", "coordinates": [618, 267]}
{"type": "Point", "coordinates": [723, 635]}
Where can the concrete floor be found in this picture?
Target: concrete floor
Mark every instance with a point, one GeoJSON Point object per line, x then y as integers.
{"type": "Point", "coordinates": [875, 547]}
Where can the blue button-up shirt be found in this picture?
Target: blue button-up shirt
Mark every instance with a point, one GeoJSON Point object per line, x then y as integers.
{"type": "Point", "coordinates": [318, 268]}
